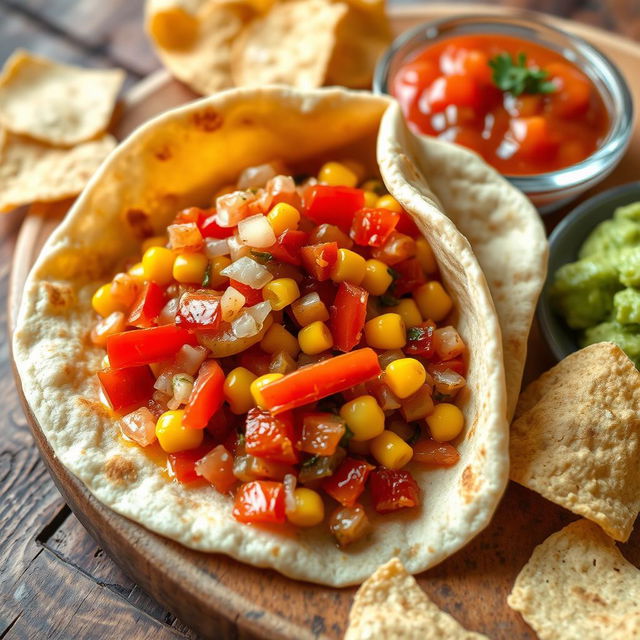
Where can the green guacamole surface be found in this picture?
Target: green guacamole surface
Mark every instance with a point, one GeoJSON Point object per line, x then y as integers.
{"type": "Point", "coordinates": [599, 294]}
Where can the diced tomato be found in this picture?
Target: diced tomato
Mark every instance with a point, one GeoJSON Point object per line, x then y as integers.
{"type": "Point", "coordinates": [128, 388]}
{"type": "Point", "coordinates": [217, 467]}
{"type": "Point", "coordinates": [393, 489]}
{"type": "Point", "coordinates": [256, 360]}
{"type": "Point", "coordinates": [321, 433]}
{"type": "Point", "coordinates": [260, 501]}
{"type": "Point", "coordinates": [371, 227]}
{"type": "Point", "coordinates": [456, 364]}
{"type": "Point", "coordinates": [222, 424]}
{"type": "Point", "coordinates": [406, 225]}
{"type": "Point", "coordinates": [207, 396]}
{"type": "Point", "coordinates": [348, 315]}
{"type": "Point", "coordinates": [458, 90]}
{"type": "Point", "coordinates": [271, 437]}
{"type": "Point", "coordinates": [232, 441]}
{"type": "Point", "coordinates": [148, 306]}
{"type": "Point", "coordinates": [398, 247]}
{"type": "Point", "coordinates": [420, 340]}
{"type": "Point", "coordinates": [199, 310]}
{"type": "Point", "coordinates": [441, 454]}
{"type": "Point", "coordinates": [255, 468]}
{"type": "Point", "coordinates": [571, 99]}
{"type": "Point", "coordinates": [318, 259]}
{"type": "Point", "coordinates": [181, 465]}
{"type": "Point", "coordinates": [288, 245]}
{"type": "Point", "coordinates": [144, 346]}
{"type": "Point", "coordinates": [349, 524]}
{"type": "Point", "coordinates": [251, 296]}
{"type": "Point", "coordinates": [326, 289]}
{"type": "Point", "coordinates": [209, 228]}
{"type": "Point", "coordinates": [335, 205]}
{"type": "Point", "coordinates": [535, 139]}
{"type": "Point", "coordinates": [411, 276]}
{"type": "Point", "coordinates": [348, 481]}
{"type": "Point", "coordinates": [190, 214]}
{"type": "Point", "coordinates": [316, 381]}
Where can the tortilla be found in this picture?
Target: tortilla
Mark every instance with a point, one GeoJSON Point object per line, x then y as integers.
{"type": "Point", "coordinates": [577, 586]}
{"type": "Point", "coordinates": [180, 159]}
{"type": "Point", "coordinates": [390, 604]}
{"type": "Point", "coordinates": [500, 222]}
{"type": "Point", "coordinates": [30, 171]}
{"type": "Point", "coordinates": [55, 103]}
{"type": "Point", "coordinates": [576, 437]}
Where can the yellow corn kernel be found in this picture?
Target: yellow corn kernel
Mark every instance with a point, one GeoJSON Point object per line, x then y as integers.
{"type": "Point", "coordinates": [386, 331]}
{"type": "Point", "coordinates": [315, 338]}
{"type": "Point", "coordinates": [173, 436]}
{"type": "Point", "coordinates": [390, 450]}
{"type": "Point", "coordinates": [309, 509]}
{"type": "Point", "coordinates": [364, 417]}
{"type": "Point", "coordinates": [237, 390]}
{"type": "Point", "coordinates": [433, 301]}
{"type": "Point", "coordinates": [370, 199]}
{"type": "Point", "coordinates": [355, 166]}
{"type": "Point", "coordinates": [377, 278]}
{"type": "Point", "coordinates": [154, 241]}
{"type": "Point", "coordinates": [374, 185]}
{"type": "Point", "coordinates": [417, 406]}
{"type": "Point", "coordinates": [173, 28]}
{"type": "Point", "coordinates": [281, 292]}
{"type": "Point", "coordinates": [189, 268]}
{"type": "Point", "coordinates": [279, 339]}
{"type": "Point", "coordinates": [157, 263]}
{"type": "Point", "coordinates": [216, 281]}
{"type": "Point", "coordinates": [105, 303]}
{"type": "Point", "coordinates": [349, 267]}
{"type": "Point", "coordinates": [408, 310]}
{"type": "Point", "coordinates": [282, 217]}
{"type": "Point", "coordinates": [404, 376]}
{"type": "Point", "coordinates": [337, 174]}
{"type": "Point", "coordinates": [258, 383]}
{"type": "Point", "coordinates": [137, 271]}
{"type": "Point", "coordinates": [445, 422]}
{"type": "Point", "coordinates": [309, 309]}
{"type": "Point", "coordinates": [425, 256]}
{"type": "Point", "coordinates": [387, 201]}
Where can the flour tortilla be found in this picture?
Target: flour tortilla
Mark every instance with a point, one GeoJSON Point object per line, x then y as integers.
{"type": "Point", "coordinates": [180, 159]}
{"type": "Point", "coordinates": [503, 227]}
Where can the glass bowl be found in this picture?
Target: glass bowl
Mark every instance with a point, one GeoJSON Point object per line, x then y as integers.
{"type": "Point", "coordinates": [551, 190]}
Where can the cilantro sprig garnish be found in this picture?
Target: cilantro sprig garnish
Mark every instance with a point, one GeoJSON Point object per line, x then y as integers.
{"type": "Point", "coordinates": [515, 77]}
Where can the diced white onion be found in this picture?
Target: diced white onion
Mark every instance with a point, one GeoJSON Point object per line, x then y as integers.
{"type": "Point", "coordinates": [233, 207]}
{"type": "Point", "coordinates": [215, 247]}
{"type": "Point", "coordinates": [256, 232]}
{"type": "Point", "coordinates": [254, 177]}
{"type": "Point", "coordinates": [260, 311]}
{"type": "Point", "coordinates": [237, 250]}
{"type": "Point", "coordinates": [182, 236]}
{"type": "Point", "coordinates": [189, 359]}
{"type": "Point", "coordinates": [289, 496]}
{"type": "Point", "coordinates": [447, 343]}
{"type": "Point", "coordinates": [231, 303]}
{"type": "Point", "coordinates": [182, 387]}
{"type": "Point", "coordinates": [244, 326]}
{"type": "Point", "coordinates": [139, 426]}
{"type": "Point", "coordinates": [208, 465]}
{"type": "Point", "coordinates": [249, 272]}
{"type": "Point", "coordinates": [168, 313]}
{"type": "Point", "coordinates": [164, 382]}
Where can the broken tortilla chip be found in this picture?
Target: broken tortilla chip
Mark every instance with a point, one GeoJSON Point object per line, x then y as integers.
{"type": "Point", "coordinates": [55, 103]}
{"type": "Point", "coordinates": [576, 437]}
{"type": "Point", "coordinates": [33, 172]}
{"type": "Point", "coordinates": [577, 586]}
{"type": "Point", "coordinates": [390, 604]}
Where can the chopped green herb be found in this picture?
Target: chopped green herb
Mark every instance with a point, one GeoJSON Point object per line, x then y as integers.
{"type": "Point", "coordinates": [387, 300]}
{"type": "Point", "coordinates": [206, 280]}
{"type": "Point", "coordinates": [310, 462]}
{"type": "Point", "coordinates": [393, 273]}
{"type": "Point", "coordinates": [515, 77]}
{"type": "Point", "coordinates": [262, 256]}
{"type": "Point", "coordinates": [415, 333]}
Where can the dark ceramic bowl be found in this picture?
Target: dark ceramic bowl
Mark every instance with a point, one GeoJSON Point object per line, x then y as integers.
{"type": "Point", "coordinates": [565, 243]}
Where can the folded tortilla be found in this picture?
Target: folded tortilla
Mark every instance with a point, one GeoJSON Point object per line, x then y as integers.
{"type": "Point", "coordinates": [180, 159]}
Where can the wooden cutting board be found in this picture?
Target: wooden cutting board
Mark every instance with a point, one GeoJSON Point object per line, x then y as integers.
{"type": "Point", "coordinates": [221, 598]}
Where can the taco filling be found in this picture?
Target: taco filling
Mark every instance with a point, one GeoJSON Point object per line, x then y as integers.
{"type": "Point", "coordinates": [290, 346]}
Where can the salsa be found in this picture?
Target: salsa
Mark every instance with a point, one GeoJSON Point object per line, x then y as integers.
{"type": "Point", "coordinates": [524, 108]}
{"type": "Point", "coordinates": [288, 345]}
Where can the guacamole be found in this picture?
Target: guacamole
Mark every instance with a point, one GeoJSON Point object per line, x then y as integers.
{"type": "Point", "coordinates": [599, 294]}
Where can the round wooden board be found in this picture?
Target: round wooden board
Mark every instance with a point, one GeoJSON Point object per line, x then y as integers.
{"type": "Point", "coordinates": [222, 598]}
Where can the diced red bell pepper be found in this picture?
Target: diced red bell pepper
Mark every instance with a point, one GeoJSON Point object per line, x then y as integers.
{"type": "Point", "coordinates": [288, 245]}
{"type": "Point", "coordinates": [222, 424]}
{"type": "Point", "coordinates": [217, 468]}
{"type": "Point", "coordinates": [260, 501]}
{"type": "Point", "coordinates": [372, 227]}
{"type": "Point", "coordinates": [321, 433]}
{"type": "Point", "coordinates": [420, 340]}
{"type": "Point", "coordinates": [209, 227]}
{"type": "Point", "coordinates": [251, 296]}
{"type": "Point", "coordinates": [348, 315]}
{"type": "Point", "coordinates": [441, 454]}
{"type": "Point", "coordinates": [326, 289]}
{"type": "Point", "coordinates": [148, 306]}
{"type": "Point", "coordinates": [181, 465]}
{"type": "Point", "coordinates": [335, 205]}
{"type": "Point", "coordinates": [348, 481]}
{"type": "Point", "coordinates": [144, 346]}
{"type": "Point", "coordinates": [207, 396]}
{"type": "Point", "coordinates": [198, 310]}
{"type": "Point", "coordinates": [410, 276]}
{"type": "Point", "coordinates": [256, 360]}
{"type": "Point", "coordinates": [456, 364]}
{"type": "Point", "coordinates": [128, 388]}
{"type": "Point", "coordinates": [271, 437]}
{"type": "Point", "coordinates": [393, 489]}
{"type": "Point", "coordinates": [316, 381]}
{"type": "Point", "coordinates": [318, 259]}
{"type": "Point", "coordinates": [397, 247]}
{"type": "Point", "coordinates": [407, 226]}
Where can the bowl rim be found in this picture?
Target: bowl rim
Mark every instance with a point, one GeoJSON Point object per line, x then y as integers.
{"type": "Point", "coordinates": [603, 159]}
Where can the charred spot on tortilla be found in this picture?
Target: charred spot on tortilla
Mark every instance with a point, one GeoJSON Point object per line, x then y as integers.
{"type": "Point", "coordinates": [207, 120]}
{"type": "Point", "coordinates": [59, 296]}
{"type": "Point", "coordinates": [164, 153]}
{"type": "Point", "coordinates": [138, 221]}
{"type": "Point", "coordinates": [120, 470]}
{"type": "Point", "coordinates": [94, 407]}
{"type": "Point", "coordinates": [470, 484]}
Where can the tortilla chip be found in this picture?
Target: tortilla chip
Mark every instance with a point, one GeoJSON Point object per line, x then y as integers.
{"type": "Point", "coordinates": [54, 103]}
{"type": "Point", "coordinates": [33, 172]}
{"type": "Point", "coordinates": [576, 437]}
{"type": "Point", "coordinates": [390, 604]}
{"type": "Point", "coordinates": [292, 44]}
{"type": "Point", "coordinates": [577, 585]}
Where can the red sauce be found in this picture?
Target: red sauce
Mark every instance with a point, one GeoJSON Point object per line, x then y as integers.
{"type": "Point", "coordinates": [447, 90]}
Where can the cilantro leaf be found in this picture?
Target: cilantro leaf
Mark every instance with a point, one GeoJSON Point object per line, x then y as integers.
{"type": "Point", "coordinates": [206, 280]}
{"type": "Point", "coordinates": [262, 256]}
{"type": "Point", "coordinates": [515, 77]}
{"type": "Point", "coordinates": [415, 333]}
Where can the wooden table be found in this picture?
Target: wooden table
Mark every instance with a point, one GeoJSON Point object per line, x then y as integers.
{"type": "Point", "coordinates": [55, 582]}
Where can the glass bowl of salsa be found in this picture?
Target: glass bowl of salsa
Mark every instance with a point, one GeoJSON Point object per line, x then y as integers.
{"type": "Point", "coordinates": [546, 109]}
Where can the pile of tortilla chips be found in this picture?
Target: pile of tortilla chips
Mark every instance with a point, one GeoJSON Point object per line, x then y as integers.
{"type": "Point", "coordinates": [216, 44]}
{"type": "Point", "coordinates": [53, 128]}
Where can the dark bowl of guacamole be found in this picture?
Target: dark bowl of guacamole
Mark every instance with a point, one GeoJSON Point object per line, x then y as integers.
{"type": "Point", "coordinates": [592, 293]}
